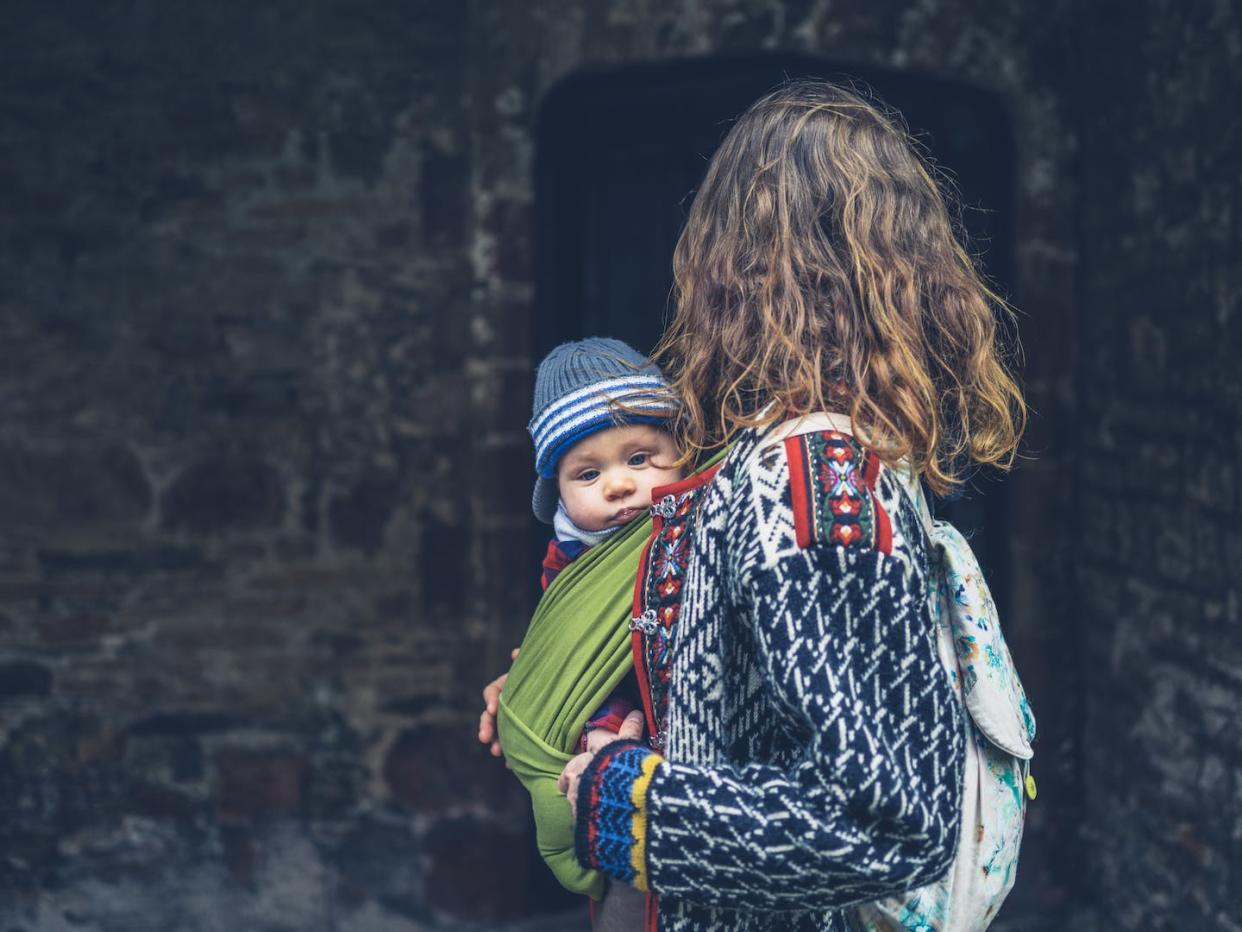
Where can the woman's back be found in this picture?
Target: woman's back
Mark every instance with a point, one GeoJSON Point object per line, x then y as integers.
{"type": "Point", "coordinates": [749, 642]}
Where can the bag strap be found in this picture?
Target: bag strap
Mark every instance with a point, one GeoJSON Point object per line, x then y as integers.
{"type": "Point", "coordinates": [929, 523]}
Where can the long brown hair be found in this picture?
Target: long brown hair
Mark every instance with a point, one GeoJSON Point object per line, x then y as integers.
{"type": "Point", "coordinates": [819, 269]}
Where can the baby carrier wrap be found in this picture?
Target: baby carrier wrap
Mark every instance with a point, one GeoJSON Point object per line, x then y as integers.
{"type": "Point", "coordinates": [575, 652]}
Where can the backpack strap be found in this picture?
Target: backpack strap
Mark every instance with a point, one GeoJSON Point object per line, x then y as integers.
{"type": "Point", "coordinates": [990, 688]}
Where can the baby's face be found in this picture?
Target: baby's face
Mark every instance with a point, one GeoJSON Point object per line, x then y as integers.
{"type": "Point", "coordinates": [606, 479]}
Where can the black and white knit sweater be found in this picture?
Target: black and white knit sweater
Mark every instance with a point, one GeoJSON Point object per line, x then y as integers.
{"type": "Point", "coordinates": [814, 746]}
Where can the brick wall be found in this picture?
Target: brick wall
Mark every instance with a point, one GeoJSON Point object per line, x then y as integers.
{"type": "Point", "coordinates": [265, 295]}
{"type": "Point", "coordinates": [1161, 409]}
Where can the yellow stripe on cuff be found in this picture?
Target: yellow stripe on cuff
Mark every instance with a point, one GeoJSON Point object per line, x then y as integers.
{"type": "Point", "coordinates": [638, 797]}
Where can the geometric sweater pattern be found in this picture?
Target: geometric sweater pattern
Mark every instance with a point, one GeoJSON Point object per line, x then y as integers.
{"type": "Point", "coordinates": [829, 772]}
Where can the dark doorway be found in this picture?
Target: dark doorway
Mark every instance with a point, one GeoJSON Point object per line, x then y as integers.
{"type": "Point", "coordinates": [620, 153]}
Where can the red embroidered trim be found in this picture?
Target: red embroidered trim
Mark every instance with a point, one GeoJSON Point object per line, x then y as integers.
{"type": "Point", "coordinates": [636, 639]}
{"type": "Point", "coordinates": [800, 491]}
{"type": "Point", "coordinates": [661, 573]}
{"type": "Point", "coordinates": [871, 468]}
{"type": "Point", "coordinates": [832, 481]}
{"type": "Point", "coordinates": [884, 528]}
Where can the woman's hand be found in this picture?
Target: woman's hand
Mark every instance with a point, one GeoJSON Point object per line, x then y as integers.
{"type": "Point", "coordinates": [491, 702]}
{"type": "Point", "coordinates": [597, 740]}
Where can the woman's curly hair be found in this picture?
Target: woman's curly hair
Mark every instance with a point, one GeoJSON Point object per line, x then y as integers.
{"type": "Point", "coordinates": [819, 270]}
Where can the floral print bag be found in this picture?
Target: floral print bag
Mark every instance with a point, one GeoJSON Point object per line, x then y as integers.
{"type": "Point", "coordinates": [1000, 728]}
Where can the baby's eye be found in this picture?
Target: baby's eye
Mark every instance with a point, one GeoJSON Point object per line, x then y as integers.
{"type": "Point", "coordinates": [588, 475]}
{"type": "Point", "coordinates": [638, 459]}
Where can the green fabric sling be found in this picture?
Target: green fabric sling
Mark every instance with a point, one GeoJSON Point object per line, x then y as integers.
{"type": "Point", "coordinates": [576, 651]}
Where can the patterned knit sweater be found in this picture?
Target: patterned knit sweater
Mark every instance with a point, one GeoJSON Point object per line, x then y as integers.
{"type": "Point", "coordinates": [814, 748]}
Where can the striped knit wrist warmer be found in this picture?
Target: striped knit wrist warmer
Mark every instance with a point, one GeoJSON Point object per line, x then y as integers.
{"type": "Point", "coordinates": [611, 834]}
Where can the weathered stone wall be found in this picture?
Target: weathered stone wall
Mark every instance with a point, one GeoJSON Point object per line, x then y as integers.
{"type": "Point", "coordinates": [250, 574]}
{"type": "Point", "coordinates": [1161, 400]}
{"type": "Point", "coordinates": [265, 301]}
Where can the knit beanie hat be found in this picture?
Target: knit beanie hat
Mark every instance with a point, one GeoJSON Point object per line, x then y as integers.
{"type": "Point", "coordinates": [585, 387]}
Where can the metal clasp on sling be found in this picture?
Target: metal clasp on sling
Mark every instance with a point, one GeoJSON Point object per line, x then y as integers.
{"type": "Point", "coordinates": [647, 622]}
{"type": "Point", "coordinates": [666, 507]}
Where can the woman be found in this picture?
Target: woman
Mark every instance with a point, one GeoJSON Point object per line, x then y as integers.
{"type": "Point", "coordinates": [806, 748]}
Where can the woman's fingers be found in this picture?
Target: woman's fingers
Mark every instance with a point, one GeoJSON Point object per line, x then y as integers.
{"type": "Point", "coordinates": [567, 782]}
{"type": "Point", "coordinates": [491, 693]}
{"type": "Point", "coordinates": [632, 727]}
{"type": "Point", "coordinates": [573, 770]}
{"type": "Point", "coordinates": [598, 738]}
{"type": "Point", "coordinates": [491, 703]}
{"type": "Point", "coordinates": [487, 728]}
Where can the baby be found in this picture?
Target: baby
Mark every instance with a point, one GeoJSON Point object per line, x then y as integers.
{"type": "Point", "coordinates": [600, 413]}
{"type": "Point", "coordinates": [601, 445]}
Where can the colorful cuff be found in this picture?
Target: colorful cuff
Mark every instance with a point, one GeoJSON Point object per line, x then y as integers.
{"type": "Point", "coordinates": [611, 833]}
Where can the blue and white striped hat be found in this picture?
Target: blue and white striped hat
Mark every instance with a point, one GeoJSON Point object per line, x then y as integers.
{"type": "Point", "coordinates": [585, 387]}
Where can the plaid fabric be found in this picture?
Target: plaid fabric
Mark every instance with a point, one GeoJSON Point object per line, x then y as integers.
{"type": "Point", "coordinates": [560, 554]}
